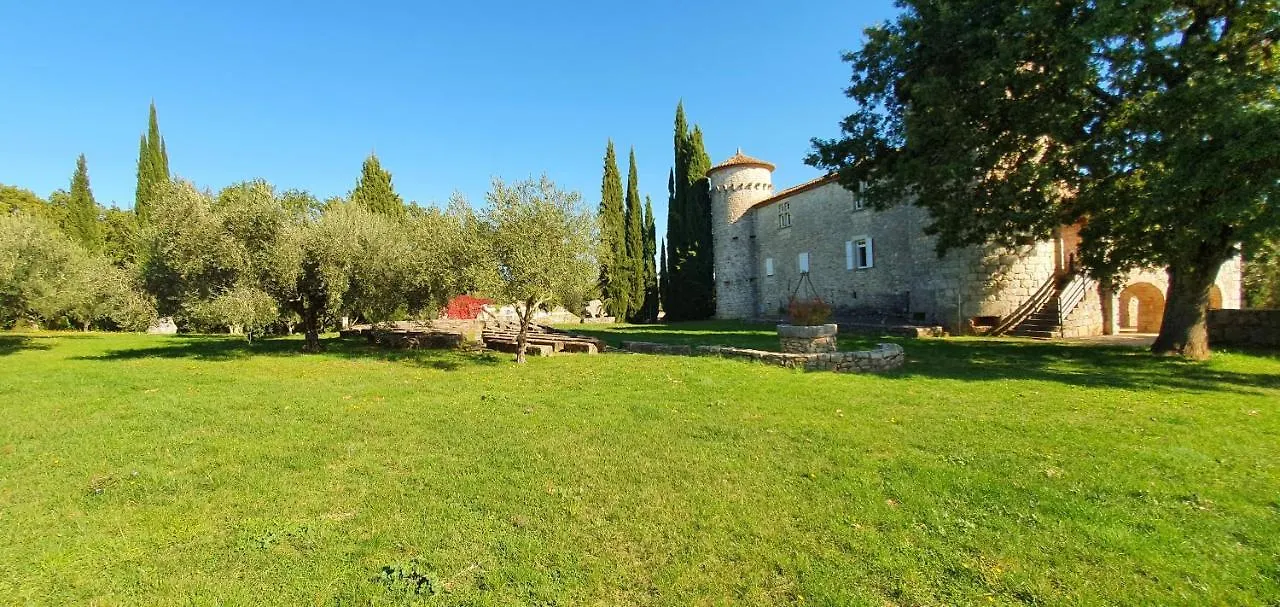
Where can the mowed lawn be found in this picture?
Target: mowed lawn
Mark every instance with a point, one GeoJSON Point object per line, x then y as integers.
{"type": "Point", "coordinates": [200, 470]}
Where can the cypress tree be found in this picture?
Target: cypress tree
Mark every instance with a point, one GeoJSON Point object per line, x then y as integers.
{"type": "Point", "coordinates": [374, 191]}
{"type": "Point", "coordinates": [700, 273]}
{"type": "Point", "coordinates": [153, 166]}
{"type": "Point", "coordinates": [690, 287]}
{"type": "Point", "coordinates": [635, 244]}
{"type": "Point", "coordinates": [662, 275]}
{"type": "Point", "coordinates": [672, 301]}
{"type": "Point", "coordinates": [650, 264]}
{"type": "Point", "coordinates": [81, 215]}
{"type": "Point", "coordinates": [614, 275]}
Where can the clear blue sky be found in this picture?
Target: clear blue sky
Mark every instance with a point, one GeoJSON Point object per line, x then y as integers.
{"type": "Point", "coordinates": [447, 95]}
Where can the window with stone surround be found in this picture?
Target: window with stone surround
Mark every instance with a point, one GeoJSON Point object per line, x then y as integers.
{"type": "Point", "coordinates": [784, 215]}
{"type": "Point", "coordinates": [859, 253]}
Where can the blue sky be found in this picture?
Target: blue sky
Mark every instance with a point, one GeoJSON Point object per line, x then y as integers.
{"type": "Point", "coordinates": [447, 95]}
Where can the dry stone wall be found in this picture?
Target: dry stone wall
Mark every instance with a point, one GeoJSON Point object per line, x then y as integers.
{"type": "Point", "coordinates": [885, 357]}
{"type": "Point", "coordinates": [1244, 328]}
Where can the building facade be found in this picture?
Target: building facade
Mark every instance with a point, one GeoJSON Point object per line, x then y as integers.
{"type": "Point", "coordinates": [818, 238]}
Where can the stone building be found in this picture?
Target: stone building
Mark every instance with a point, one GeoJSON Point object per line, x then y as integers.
{"type": "Point", "coordinates": [880, 266]}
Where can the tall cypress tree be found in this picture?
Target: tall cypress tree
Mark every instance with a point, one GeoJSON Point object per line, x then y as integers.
{"type": "Point", "coordinates": [700, 275]}
{"type": "Point", "coordinates": [650, 264]}
{"type": "Point", "coordinates": [635, 244]}
{"type": "Point", "coordinates": [674, 216]}
{"type": "Point", "coordinates": [81, 217]}
{"type": "Point", "coordinates": [615, 279]}
{"type": "Point", "coordinates": [153, 166]}
{"type": "Point", "coordinates": [663, 277]}
{"type": "Point", "coordinates": [690, 291]}
{"type": "Point", "coordinates": [374, 190]}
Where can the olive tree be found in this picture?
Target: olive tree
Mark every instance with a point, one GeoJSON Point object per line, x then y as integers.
{"type": "Point", "coordinates": [542, 248]}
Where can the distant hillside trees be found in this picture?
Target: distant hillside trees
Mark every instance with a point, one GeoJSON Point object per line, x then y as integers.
{"type": "Point", "coordinates": [47, 279]}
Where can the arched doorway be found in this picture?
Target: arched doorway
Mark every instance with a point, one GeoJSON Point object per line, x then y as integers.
{"type": "Point", "coordinates": [1215, 298]}
{"type": "Point", "coordinates": [1141, 308]}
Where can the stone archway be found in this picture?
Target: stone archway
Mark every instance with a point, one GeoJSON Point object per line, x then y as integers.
{"type": "Point", "coordinates": [1141, 308]}
{"type": "Point", "coordinates": [1215, 298]}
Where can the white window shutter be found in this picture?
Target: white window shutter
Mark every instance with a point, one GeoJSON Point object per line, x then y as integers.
{"type": "Point", "coordinates": [848, 254]}
{"type": "Point", "coordinates": [804, 262]}
{"type": "Point", "coordinates": [768, 266]}
{"type": "Point", "coordinates": [871, 253]}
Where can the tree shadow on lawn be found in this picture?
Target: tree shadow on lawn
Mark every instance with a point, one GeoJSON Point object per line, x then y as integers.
{"type": "Point", "coordinates": [1085, 365]}
{"type": "Point", "coordinates": [978, 359]}
{"type": "Point", "coordinates": [12, 344]}
{"type": "Point", "coordinates": [223, 348]}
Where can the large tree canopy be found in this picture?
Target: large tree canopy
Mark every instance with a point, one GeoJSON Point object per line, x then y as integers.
{"type": "Point", "coordinates": [1152, 123]}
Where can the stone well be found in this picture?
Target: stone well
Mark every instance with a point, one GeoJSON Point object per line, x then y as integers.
{"type": "Point", "coordinates": [799, 339]}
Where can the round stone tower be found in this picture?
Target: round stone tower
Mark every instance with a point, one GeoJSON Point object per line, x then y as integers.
{"type": "Point", "coordinates": [736, 185]}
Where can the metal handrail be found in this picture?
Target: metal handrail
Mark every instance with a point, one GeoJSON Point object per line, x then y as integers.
{"type": "Point", "coordinates": [1029, 307]}
{"type": "Point", "coordinates": [1071, 296]}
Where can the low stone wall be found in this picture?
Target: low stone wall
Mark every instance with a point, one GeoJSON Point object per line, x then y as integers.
{"type": "Point", "coordinates": [1244, 328]}
{"type": "Point", "coordinates": [885, 357]}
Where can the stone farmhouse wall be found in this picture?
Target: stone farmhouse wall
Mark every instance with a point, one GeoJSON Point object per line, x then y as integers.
{"type": "Point", "coordinates": [1244, 328]}
{"type": "Point", "coordinates": [906, 279]}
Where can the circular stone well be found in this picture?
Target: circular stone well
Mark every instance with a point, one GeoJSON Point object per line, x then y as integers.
{"type": "Point", "coordinates": [800, 339]}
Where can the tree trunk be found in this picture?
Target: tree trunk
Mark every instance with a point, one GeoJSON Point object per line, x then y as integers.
{"type": "Point", "coordinates": [311, 328]}
{"type": "Point", "coordinates": [1183, 330]}
{"type": "Point", "coordinates": [522, 338]}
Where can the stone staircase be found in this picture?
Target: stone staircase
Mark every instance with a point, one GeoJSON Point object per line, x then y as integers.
{"type": "Point", "coordinates": [1042, 316]}
{"type": "Point", "coordinates": [1043, 323]}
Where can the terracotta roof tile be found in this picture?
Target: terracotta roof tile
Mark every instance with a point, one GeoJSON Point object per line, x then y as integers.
{"type": "Point", "coordinates": [793, 190]}
{"type": "Point", "coordinates": [740, 159]}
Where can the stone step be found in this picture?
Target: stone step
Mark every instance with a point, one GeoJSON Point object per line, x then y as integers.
{"type": "Point", "coordinates": [1036, 333]}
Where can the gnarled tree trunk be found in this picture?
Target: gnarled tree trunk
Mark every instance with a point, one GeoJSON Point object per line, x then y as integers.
{"type": "Point", "coordinates": [522, 338]}
{"type": "Point", "coordinates": [311, 329]}
{"type": "Point", "coordinates": [1184, 330]}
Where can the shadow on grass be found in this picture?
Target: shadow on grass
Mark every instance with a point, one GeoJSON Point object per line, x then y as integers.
{"type": "Point", "coordinates": [11, 344]}
{"type": "Point", "coordinates": [976, 359]}
{"type": "Point", "coordinates": [1085, 365]}
{"type": "Point", "coordinates": [221, 348]}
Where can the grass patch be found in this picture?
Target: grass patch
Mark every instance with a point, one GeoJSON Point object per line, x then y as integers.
{"type": "Point", "coordinates": [159, 470]}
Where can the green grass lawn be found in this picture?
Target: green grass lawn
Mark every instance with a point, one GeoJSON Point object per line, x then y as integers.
{"type": "Point", "coordinates": [159, 470]}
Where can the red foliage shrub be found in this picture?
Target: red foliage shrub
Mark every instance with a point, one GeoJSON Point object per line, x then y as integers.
{"type": "Point", "coordinates": [809, 312]}
{"type": "Point", "coordinates": [465, 307]}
